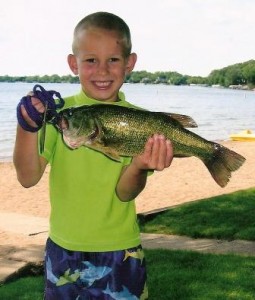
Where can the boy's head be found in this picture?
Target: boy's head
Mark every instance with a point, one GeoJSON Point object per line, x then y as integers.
{"type": "Point", "coordinates": [107, 21]}
{"type": "Point", "coordinates": [102, 55]}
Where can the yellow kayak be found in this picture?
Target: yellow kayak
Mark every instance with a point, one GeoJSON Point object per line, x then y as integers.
{"type": "Point", "coordinates": [243, 136]}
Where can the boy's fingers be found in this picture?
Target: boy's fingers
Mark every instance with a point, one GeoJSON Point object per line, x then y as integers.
{"type": "Point", "coordinates": [169, 153]}
{"type": "Point", "coordinates": [26, 117]}
{"type": "Point", "coordinates": [157, 154]}
{"type": "Point", "coordinates": [161, 153]}
{"type": "Point", "coordinates": [36, 102]}
{"type": "Point", "coordinates": [37, 105]}
{"type": "Point", "coordinates": [148, 148]}
{"type": "Point", "coordinates": [155, 151]}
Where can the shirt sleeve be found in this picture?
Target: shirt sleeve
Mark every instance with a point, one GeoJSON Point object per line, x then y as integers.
{"type": "Point", "coordinates": [51, 135]}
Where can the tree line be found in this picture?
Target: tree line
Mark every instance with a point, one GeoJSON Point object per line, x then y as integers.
{"type": "Point", "coordinates": [237, 75]}
{"type": "Point", "coordinates": [41, 79]}
{"type": "Point", "coordinates": [241, 74]}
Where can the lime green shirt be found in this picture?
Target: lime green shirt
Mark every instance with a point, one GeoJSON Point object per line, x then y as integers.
{"type": "Point", "coordinates": [86, 213]}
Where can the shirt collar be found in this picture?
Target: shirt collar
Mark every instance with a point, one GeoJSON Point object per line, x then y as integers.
{"type": "Point", "coordinates": [82, 98]}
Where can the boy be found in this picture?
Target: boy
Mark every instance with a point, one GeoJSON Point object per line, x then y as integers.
{"type": "Point", "coordinates": [94, 249]}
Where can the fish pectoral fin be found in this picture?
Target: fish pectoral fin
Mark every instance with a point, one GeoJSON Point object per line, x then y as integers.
{"type": "Point", "coordinates": [184, 120]}
{"type": "Point", "coordinates": [109, 152]}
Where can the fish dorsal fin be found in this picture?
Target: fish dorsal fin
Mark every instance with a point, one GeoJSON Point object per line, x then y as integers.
{"type": "Point", "coordinates": [184, 120]}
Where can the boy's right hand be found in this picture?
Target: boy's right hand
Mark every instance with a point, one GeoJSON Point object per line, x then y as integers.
{"type": "Point", "coordinates": [30, 112]}
{"type": "Point", "coordinates": [31, 108]}
{"type": "Point", "coordinates": [158, 154]}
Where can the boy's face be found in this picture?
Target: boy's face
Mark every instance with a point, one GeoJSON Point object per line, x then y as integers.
{"type": "Point", "coordinates": [100, 63]}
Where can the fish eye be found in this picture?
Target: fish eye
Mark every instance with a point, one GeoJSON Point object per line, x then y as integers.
{"type": "Point", "coordinates": [70, 112]}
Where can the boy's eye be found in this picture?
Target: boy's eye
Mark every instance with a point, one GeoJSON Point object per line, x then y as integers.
{"type": "Point", "coordinates": [94, 60]}
{"type": "Point", "coordinates": [91, 60]}
{"type": "Point", "coordinates": [114, 59]}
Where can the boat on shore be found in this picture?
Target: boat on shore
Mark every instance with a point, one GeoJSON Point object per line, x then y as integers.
{"type": "Point", "coordinates": [243, 136]}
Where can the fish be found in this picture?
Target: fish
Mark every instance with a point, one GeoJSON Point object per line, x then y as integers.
{"type": "Point", "coordinates": [119, 131]}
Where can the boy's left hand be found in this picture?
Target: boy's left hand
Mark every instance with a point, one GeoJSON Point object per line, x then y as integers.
{"type": "Point", "coordinates": [157, 155]}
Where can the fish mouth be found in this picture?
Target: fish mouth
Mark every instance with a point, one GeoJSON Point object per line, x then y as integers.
{"type": "Point", "coordinates": [94, 134]}
{"type": "Point", "coordinates": [74, 140]}
{"type": "Point", "coordinates": [62, 124]}
{"type": "Point", "coordinates": [73, 143]}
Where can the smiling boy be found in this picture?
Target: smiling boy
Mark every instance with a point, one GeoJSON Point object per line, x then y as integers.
{"type": "Point", "coordinates": [94, 249]}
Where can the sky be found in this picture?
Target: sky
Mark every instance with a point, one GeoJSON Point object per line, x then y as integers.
{"type": "Point", "coordinates": [192, 37]}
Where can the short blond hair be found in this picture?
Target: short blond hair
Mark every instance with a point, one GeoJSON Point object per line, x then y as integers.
{"type": "Point", "coordinates": [108, 21]}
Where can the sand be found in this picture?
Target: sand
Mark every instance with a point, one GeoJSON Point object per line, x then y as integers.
{"type": "Point", "coordinates": [186, 180]}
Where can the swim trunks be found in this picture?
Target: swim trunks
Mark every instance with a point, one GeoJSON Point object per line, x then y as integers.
{"type": "Point", "coordinates": [73, 275]}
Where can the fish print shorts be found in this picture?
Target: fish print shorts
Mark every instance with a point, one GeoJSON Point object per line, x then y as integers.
{"type": "Point", "coordinates": [72, 275]}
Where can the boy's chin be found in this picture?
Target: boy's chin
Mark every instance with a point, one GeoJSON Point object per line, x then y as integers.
{"type": "Point", "coordinates": [104, 97]}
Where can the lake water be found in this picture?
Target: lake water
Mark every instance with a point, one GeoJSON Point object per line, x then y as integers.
{"type": "Point", "coordinates": [218, 112]}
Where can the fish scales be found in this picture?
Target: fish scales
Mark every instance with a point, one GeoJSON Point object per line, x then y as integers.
{"type": "Point", "coordinates": [131, 130]}
{"type": "Point", "coordinates": [119, 131]}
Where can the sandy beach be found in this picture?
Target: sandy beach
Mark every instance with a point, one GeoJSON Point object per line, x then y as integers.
{"type": "Point", "coordinates": [186, 180]}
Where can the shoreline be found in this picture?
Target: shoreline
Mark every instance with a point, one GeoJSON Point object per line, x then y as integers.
{"type": "Point", "coordinates": [186, 180]}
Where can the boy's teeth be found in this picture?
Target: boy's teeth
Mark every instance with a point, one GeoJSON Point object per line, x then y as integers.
{"type": "Point", "coordinates": [102, 84]}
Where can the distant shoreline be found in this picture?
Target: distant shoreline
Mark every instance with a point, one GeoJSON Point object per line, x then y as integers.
{"type": "Point", "coordinates": [239, 75]}
{"type": "Point", "coordinates": [233, 86]}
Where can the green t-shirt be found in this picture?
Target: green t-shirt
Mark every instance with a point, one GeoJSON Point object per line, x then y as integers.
{"type": "Point", "coordinates": [86, 213]}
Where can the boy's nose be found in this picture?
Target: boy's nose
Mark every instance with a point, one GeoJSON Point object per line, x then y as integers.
{"type": "Point", "coordinates": [103, 68]}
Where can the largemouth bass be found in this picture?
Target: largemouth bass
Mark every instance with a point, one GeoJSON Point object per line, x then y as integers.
{"type": "Point", "coordinates": [119, 131]}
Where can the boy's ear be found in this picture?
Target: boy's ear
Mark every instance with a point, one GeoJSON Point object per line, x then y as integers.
{"type": "Point", "coordinates": [72, 62]}
{"type": "Point", "coordinates": [131, 63]}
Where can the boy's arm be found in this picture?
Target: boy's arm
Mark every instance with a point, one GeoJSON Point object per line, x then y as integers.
{"type": "Point", "coordinates": [157, 155]}
{"type": "Point", "coordinates": [29, 164]}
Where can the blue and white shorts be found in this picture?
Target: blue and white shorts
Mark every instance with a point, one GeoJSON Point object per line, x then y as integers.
{"type": "Point", "coordinates": [72, 275]}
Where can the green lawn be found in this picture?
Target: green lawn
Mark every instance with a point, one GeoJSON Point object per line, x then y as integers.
{"type": "Point", "coordinates": [180, 275]}
{"type": "Point", "coordinates": [186, 275]}
{"type": "Point", "coordinates": [27, 288]}
{"type": "Point", "coordinates": [226, 217]}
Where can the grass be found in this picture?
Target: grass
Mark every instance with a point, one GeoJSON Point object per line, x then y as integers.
{"type": "Point", "coordinates": [186, 275]}
{"type": "Point", "coordinates": [26, 288]}
{"type": "Point", "coordinates": [227, 217]}
{"type": "Point", "coordinates": [181, 275]}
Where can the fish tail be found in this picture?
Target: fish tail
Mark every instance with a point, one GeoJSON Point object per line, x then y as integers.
{"type": "Point", "coordinates": [222, 163]}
